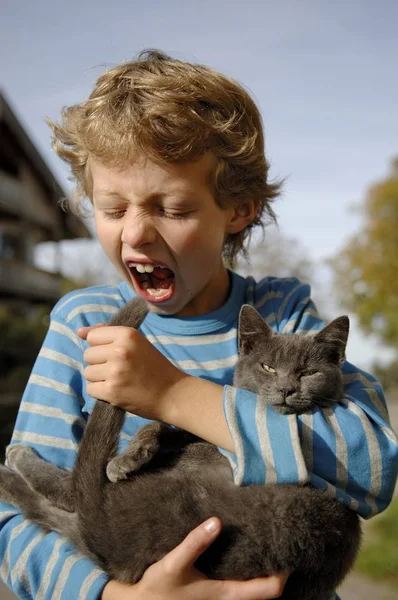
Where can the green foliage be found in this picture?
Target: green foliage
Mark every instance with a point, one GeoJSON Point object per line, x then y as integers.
{"type": "Point", "coordinates": [387, 374]}
{"type": "Point", "coordinates": [20, 341]}
{"type": "Point", "coordinates": [69, 285]}
{"type": "Point", "coordinates": [379, 555]}
{"type": "Point", "coordinates": [366, 270]}
{"type": "Point", "coordinates": [21, 337]}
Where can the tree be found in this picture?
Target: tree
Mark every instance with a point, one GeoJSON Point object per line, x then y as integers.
{"type": "Point", "coordinates": [20, 341]}
{"type": "Point", "coordinates": [279, 256]}
{"type": "Point", "coordinates": [366, 270]}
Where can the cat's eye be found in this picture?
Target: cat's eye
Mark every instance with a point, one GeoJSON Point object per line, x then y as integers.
{"type": "Point", "coordinates": [309, 373]}
{"type": "Point", "coordinates": [268, 368]}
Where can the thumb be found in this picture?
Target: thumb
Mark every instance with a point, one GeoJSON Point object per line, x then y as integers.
{"type": "Point", "coordinates": [83, 332]}
{"type": "Point", "coordinates": [197, 541]}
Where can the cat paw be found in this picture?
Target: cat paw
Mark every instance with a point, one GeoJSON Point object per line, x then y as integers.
{"type": "Point", "coordinates": [121, 466]}
{"type": "Point", "coordinates": [18, 454]}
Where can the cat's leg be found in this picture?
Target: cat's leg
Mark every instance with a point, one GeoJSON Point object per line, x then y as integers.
{"type": "Point", "coordinates": [53, 483]}
{"type": "Point", "coordinates": [14, 490]}
{"type": "Point", "coordinates": [145, 444]}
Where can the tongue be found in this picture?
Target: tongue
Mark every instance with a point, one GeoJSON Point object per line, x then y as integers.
{"type": "Point", "coordinates": [159, 279]}
{"type": "Point", "coordinates": [162, 274]}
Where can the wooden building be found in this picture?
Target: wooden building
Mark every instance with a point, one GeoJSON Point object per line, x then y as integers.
{"type": "Point", "coordinates": [29, 214]}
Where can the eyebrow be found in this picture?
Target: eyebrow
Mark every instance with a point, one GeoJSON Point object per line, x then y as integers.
{"type": "Point", "coordinates": [178, 195]}
{"type": "Point", "coordinates": [107, 192]}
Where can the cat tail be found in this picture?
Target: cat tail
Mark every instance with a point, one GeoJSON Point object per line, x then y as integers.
{"type": "Point", "coordinates": [101, 439]}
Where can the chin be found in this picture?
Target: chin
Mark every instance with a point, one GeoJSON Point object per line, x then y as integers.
{"type": "Point", "coordinates": [285, 410]}
{"type": "Point", "coordinates": [173, 307]}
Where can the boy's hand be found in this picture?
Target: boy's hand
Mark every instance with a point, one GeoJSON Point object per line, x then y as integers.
{"type": "Point", "coordinates": [126, 370]}
{"type": "Point", "coordinates": [175, 578]}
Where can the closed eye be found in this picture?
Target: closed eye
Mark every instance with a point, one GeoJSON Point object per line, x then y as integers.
{"type": "Point", "coordinates": [118, 214]}
{"type": "Point", "coordinates": [309, 373]}
{"type": "Point", "coordinates": [268, 368]}
{"type": "Point", "coordinates": [174, 215]}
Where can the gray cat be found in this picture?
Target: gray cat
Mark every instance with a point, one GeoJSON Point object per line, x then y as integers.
{"type": "Point", "coordinates": [126, 512]}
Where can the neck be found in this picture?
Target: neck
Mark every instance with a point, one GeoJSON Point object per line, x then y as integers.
{"type": "Point", "coordinates": [212, 297]}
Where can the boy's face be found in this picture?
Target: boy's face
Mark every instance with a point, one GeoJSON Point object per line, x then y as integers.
{"type": "Point", "coordinates": [165, 218]}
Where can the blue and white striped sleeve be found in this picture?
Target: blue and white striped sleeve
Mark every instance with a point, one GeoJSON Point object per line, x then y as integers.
{"type": "Point", "coordinates": [349, 450]}
{"type": "Point", "coordinates": [50, 419]}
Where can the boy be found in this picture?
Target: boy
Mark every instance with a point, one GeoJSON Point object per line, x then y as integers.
{"type": "Point", "coordinates": [171, 156]}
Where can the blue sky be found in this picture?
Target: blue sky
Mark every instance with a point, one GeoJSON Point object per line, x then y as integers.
{"type": "Point", "coordinates": [322, 72]}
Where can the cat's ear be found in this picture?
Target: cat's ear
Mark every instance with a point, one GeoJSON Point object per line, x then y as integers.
{"type": "Point", "coordinates": [252, 329]}
{"type": "Point", "coordinates": [335, 335]}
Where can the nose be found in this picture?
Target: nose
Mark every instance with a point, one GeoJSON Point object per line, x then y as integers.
{"type": "Point", "coordinates": [286, 391]}
{"type": "Point", "coordinates": [138, 230]}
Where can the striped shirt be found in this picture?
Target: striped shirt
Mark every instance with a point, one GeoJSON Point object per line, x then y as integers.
{"type": "Point", "coordinates": [348, 450]}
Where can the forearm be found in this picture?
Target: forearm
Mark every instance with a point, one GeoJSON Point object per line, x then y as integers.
{"type": "Point", "coordinates": [196, 405]}
{"type": "Point", "coordinates": [44, 565]}
{"type": "Point", "coordinates": [114, 590]}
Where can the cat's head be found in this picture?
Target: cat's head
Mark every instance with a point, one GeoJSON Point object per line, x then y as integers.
{"type": "Point", "coordinates": [294, 373]}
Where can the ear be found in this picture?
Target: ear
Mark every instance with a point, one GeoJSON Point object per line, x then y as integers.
{"type": "Point", "coordinates": [252, 329]}
{"type": "Point", "coordinates": [241, 216]}
{"type": "Point", "coordinates": [336, 334]}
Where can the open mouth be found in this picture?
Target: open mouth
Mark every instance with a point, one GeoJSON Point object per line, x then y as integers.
{"type": "Point", "coordinates": [154, 283]}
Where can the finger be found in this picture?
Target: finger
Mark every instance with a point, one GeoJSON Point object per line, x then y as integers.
{"type": "Point", "coordinates": [97, 390]}
{"type": "Point", "coordinates": [82, 332]}
{"type": "Point", "coordinates": [262, 588]}
{"type": "Point", "coordinates": [106, 335]}
{"type": "Point", "coordinates": [196, 542]}
{"type": "Point", "coordinates": [95, 355]}
{"type": "Point", "coordinates": [94, 373]}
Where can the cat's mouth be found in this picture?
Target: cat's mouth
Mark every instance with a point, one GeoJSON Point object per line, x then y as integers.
{"type": "Point", "coordinates": [284, 408]}
{"type": "Point", "coordinates": [153, 282]}
{"type": "Point", "coordinates": [292, 405]}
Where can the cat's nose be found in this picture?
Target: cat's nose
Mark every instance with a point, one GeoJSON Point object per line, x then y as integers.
{"type": "Point", "coordinates": [287, 391]}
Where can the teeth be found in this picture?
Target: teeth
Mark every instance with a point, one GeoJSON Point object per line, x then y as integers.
{"type": "Point", "coordinates": [144, 268]}
{"type": "Point", "coordinates": [157, 293]}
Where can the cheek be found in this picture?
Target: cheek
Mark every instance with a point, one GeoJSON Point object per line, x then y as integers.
{"type": "Point", "coordinates": [108, 237]}
{"type": "Point", "coordinates": [311, 386]}
{"type": "Point", "coordinates": [196, 241]}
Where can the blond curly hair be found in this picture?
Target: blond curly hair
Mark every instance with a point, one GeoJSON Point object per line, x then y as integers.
{"type": "Point", "coordinates": [172, 111]}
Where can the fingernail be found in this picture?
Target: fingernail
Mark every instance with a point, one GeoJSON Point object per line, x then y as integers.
{"type": "Point", "coordinates": [211, 526]}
